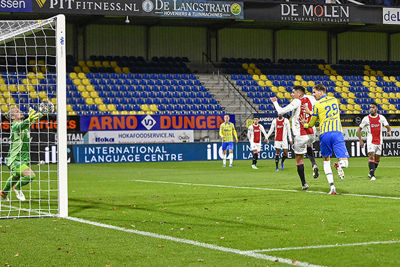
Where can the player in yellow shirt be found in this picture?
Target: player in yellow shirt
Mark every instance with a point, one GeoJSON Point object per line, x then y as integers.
{"type": "Point", "coordinates": [331, 139]}
{"type": "Point", "coordinates": [227, 131]}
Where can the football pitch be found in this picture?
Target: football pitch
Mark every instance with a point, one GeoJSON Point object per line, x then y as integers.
{"type": "Point", "coordinates": [198, 213]}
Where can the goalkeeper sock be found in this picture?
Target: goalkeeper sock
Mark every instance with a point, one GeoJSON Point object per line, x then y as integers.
{"type": "Point", "coordinates": [310, 155]}
{"type": "Point", "coordinates": [300, 171]}
{"type": "Point", "coordinates": [24, 181]}
{"type": "Point", "coordinates": [10, 182]}
{"type": "Point", "coordinates": [277, 160]}
{"type": "Point", "coordinates": [255, 158]}
{"type": "Point", "coordinates": [371, 166]}
{"type": "Point", "coordinates": [224, 159]}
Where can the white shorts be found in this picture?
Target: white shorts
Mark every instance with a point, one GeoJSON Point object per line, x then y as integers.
{"type": "Point", "coordinates": [255, 146]}
{"type": "Point", "coordinates": [281, 144]}
{"type": "Point", "coordinates": [377, 149]}
{"type": "Point", "coordinates": [301, 142]}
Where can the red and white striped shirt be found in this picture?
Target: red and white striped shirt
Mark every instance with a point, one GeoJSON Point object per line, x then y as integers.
{"type": "Point", "coordinates": [374, 127]}
{"type": "Point", "coordinates": [254, 133]}
{"type": "Point", "coordinates": [281, 128]}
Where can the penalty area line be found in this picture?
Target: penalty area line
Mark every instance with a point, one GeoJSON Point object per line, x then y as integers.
{"type": "Point", "coordinates": [327, 246]}
{"type": "Point", "coordinates": [263, 188]}
{"type": "Point", "coordinates": [196, 243]}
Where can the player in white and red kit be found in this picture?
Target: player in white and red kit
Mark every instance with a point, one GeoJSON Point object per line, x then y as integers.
{"type": "Point", "coordinates": [281, 127]}
{"type": "Point", "coordinates": [254, 136]}
{"type": "Point", "coordinates": [303, 138]}
{"type": "Point", "coordinates": [374, 123]}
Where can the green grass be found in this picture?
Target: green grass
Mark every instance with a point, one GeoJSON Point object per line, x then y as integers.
{"type": "Point", "coordinates": [245, 219]}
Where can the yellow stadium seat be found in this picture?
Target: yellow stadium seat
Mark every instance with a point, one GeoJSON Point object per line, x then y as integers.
{"type": "Point", "coordinates": [327, 72]}
{"type": "Point", "coordinates": [98, 101]}
{"type": "Point", "coordinates": [42, 94]}
{"type": "Point", "coordinates": [311, 83]}
{"type": "Point", "coordinates": [392, 107]}
{"type": "Point", "coordinates": [250, 71]}
{"type": "Point", "coordinates": [298, 78]}
{"type": "Point", "coordinates": [132, 112]}
{"type": "Point", "coordinates": [343, 107]}
{"type": "Point", "coordinates": [33, 94]}
{"type": "Point", "coordinates": [106, 64]}
{"type": "Point", "coordinates": [115, 112]}
{"type": "Point", "coordinates": [280, 95]}
{"type": "Point", "coordinates": [379, 73]}
{"type": "Point", "coordinates": [89, 101]}
{"type": "Point", "coordinates": [339, 83]}
{"type": "Point", "coordinates": [245, 66]}
{"type": "Point", "coordinates": [85, 82]}
{"type": "Point", "coordinates": [385, 95]}
{"type": "Point", "coordinates": [366, 72]}
{"type": "Point", "coordinates": [94, 94]}
{"type": "Point", "coordinates": [338, 89]}
{"type": "Point", "coordinates": [372, 84]}
{"type": "Point", "coordinates": [4, 108]}
{"type": "Point", "coordinates": [111, 107]}
{"type": "Point", "coordinates": [333, 72]}
{"type": "Point", "coordinates": [351, 95]}
{"type": "Point", "coordinates": [252, 66]}
{"type": "Point", "coordinates": [346, 84]}
{"type": "Point", "coordinates": [81, 63]}
{"type": "Point", "coordinates": [2, 100]}
{"type": "Point", "coordinates": [102, 107]}
{"type": "Point", "coordinates": [54, 100]}
{"type": "Point", "coordinates": [97, 64]}
{"type": "Point", "coordinates": [76, 82]}
{"type": "Point", "coordinates": [71, 113]}
{"type": "Point", "coordinates": [12, 88]}
{"type": "Point", "coordinates": [256, 77]}
{"type": "Point", "coordinates": [126, 70]}
{"type": "Point", "coordinates": [2, 81]}
{"type": "Point", "coordinates": [81, 75]}
{"type": "Point", "coordinates": [350, 107]}
{"type": "Point", "coordinates": [328, 67]}
{"type": "Point", "coordinates": [124, 112]}
{"type": "Point", "coordinates": [268, 83]}
{"type": "Point", "coordinates": [345, 89]}
{"type": "Point", "coordinates": [304, 83]}
{"type": "Point", "coordinates": [379, 89]}
{"type": "Point", "coordinates": [85, 94]}
{"type": "Point", "coordinates": [344, 95]}
{"type": "Point", "coordinates": [69, 108]}
{"type": "Point", "coordinates": [331, 94]}
{"type": "Point", "coordinates": [32, 62]}
{"type": "Point", "coordinates": [287, 95]}
{"type": "Point", "coordinates": [89, 63]}
{"type": "Point", "coordinates": [21, 88]}
{"type": "Point", "coordinates": [85, 69]}
{"type": "Point", "coordinates": [81, 88]}
{"type": "Point", "coordinates": [154, 108]}
{"type": "Point", "coordinates": [366, 78]}
{"type": "Point", "coordinates": [385, 107]}
{"type": "Point", "coordinates": [350, 101]}
{"type": "Point", "coordinates": [39, 75]}
{"type": "Point", "coordinates": [90, 88]}
{"type": "Point", "coordinates": [365, 83]}
{"type": "Point", "coordinates": [3, 88]}
{"type": "Point", "coordinates": [145, 107]}
{"type": "Point", "coordinates": [373, 78]}
{"type": "Point", "coordinates": [296, 83]}
{"type": "Point", "coordinates": [281, 89]}
{"type": "Point", "coordinates": [261, 83]}
{"type": "Point", "coordinates": [378, 101]}
{"type": "Point", "coordinates": [263, 78]}
{"type": "Point", "coordinates": [372, 89]}
{"type": "Point", "coordinates": [386, 79]}
{"type": "Point", "coordinates": [321, 67]}
{"type": "Point", "coordinates": [117, 70]}
{"type": "Point", "coordinates": [149, 112]}
{"type": "Point", "coordinates": [378, 95]}
{"type": "Point", "coordinates": [35, 81]}
{"type": "Point", "coordinates": [385, 101]}
{"type": "Point", "coordinates": [357, 107]}
{"type": "Point", "coordinates": [333, 78]}
{"type": "Point", "coordinates": [114, 64]}
{"type": "Point", "coordinates": [141, 112]}
{"type": "Point", "coordinates": [392, 79]}
{"type": "Point", "coordinates": [257, 71]}
{"type": "Point", "coordinates": [339, 78]}
{"type": "Point", "coordinates": [397, 95]}
{"type": "Point", "coordinates": [10, 101]}
{"type": "Point", "coordinates": [392, 95]}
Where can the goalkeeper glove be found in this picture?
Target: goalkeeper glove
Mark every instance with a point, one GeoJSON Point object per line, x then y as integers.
{"type": "Point", "coordinates": [33, 115]}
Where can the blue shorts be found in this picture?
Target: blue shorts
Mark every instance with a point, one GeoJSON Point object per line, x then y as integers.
{"type": "Point", "coordinates": [333, 142]}
{"type": "Point", "coordinates": [227, 145]}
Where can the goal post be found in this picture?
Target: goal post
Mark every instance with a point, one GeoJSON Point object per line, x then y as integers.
{"type": "Point", "coordinates": [33, 149]}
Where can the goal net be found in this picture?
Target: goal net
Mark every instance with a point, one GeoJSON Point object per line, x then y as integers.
{"type": "Point", "coordinates": [33, 150]}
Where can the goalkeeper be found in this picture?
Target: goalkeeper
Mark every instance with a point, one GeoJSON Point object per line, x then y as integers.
{"type": "Point", "coordinates": [19, 154]}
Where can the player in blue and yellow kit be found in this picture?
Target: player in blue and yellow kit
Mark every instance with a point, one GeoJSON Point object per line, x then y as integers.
{"type": "Point", "coordinates": [326, 110]}
{"type": "Point", "coordinates": [226, 131]}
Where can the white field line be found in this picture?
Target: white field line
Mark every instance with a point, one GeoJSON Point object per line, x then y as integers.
{"type": "Point", "coordinates": [196, 243]}
{"type": "Point", "coordinates": [327, 246]}
{"type": "Point", "coordinates": [263, 188]}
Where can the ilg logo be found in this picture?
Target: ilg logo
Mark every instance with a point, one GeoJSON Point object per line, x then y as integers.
{"type": "Point", "coordinates": [147, 6]}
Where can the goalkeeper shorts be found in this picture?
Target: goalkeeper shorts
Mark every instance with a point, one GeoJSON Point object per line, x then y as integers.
{"type": "Point", "coordinates": [17, 168]}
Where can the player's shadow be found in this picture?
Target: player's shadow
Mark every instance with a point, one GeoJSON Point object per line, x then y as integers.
{"type": "Point", "coordinates": [78, 205]}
